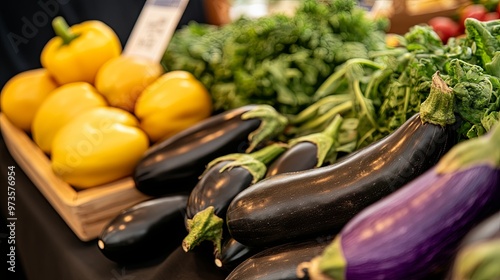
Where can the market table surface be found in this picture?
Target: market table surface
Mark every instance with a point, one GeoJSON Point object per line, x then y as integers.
{"type": "Point", "coordinates": [47, 248]}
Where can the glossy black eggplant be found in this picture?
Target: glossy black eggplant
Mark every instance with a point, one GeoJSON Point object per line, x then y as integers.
{"type": "Point", "coordinates": [298, 205]}
{"type": "Point", "coordinates": [414, 232]}
{"type": "Point", "coordinates": [233, 253]}
{"type": "Point", "coordinates": [278, 262]}
{"type": "Point", "coordinates": [222, 180]}
{"type": "Point", "coordinates": [308, 151]}
{"type": "Point", "coordinates": [145, 231]}
{"type": "Point", "coordinates": [174, 165]}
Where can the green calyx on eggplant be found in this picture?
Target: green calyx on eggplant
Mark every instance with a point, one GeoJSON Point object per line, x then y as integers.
{"type": "Point", "coordinates": [309, 151]}
{"type": "Point", "coordinates": [223, 179]}
{"type": "Point", "coordinates": [278, 262]}
{"type": "Point", "coordinates": [298, 205]}
{"type": "Point", "coordinates": [415, 232]}
{"type": "Point", "coordinates": [137, 233]}
{"type": "Point", "coordinates": [174, 165]}
{"type": "Point", "coordinates": [479, 252]}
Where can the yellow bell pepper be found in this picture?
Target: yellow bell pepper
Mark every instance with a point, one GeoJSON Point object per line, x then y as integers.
{"type": "Point", "coordinates": [172, 103]}
{"type": "Point", "coordinates": [63, 104]}
{"type": "Point", "coordinates": [99, 146]}
{"type": "Point", "coordinates": [77, 53]}
{"type": "Point", "coordinates": [122, 79]}
{"type": "Point", "coordinates": [22, 95]}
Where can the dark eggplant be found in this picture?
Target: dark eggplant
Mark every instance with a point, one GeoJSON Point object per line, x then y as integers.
{"type": "Point", "coordinates": [415, 232]}
{"type": "Point", "coordinates": [278, 262]}
{"type": "Point", "coordinates": [478, 256]}
{"type": "Point", "coordinates": [308, 151]}
{"type": "Point", "coordinates": [223, 179]}
{"type": "Point", "coordinates": [233, 253]}
{"type": "Point", "coordinates": [303, 204]}
{"type": "Point", "coordinates": [147, 230]}
{"type": "Point", "coordinates": [174, 165]}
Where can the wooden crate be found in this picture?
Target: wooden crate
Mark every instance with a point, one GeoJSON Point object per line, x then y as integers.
{"type": "Point", "coordinates": [87, 211]}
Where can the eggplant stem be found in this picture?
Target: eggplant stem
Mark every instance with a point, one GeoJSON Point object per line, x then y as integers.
{"type": "Point", "coordinates": [332, 261]}
{"type": "Point", "coordinates": [269, 153]}
{"type": "Point", "coordinates": [62, 30]}
{"type": "Point", "coordinates": [272, 124]}
{"type": "Point", "coordinates": [324, 140]}
{"type": "Point", "coordinates": [339, 109]}
{"type": "Point", "coordinates": [255, 163]}
{"type": "Point", "coordinates": [205, 225]}
{"type": "Point", "coordinates": [310, 270]}
{"type": "Point", "coordinates": [438, 108]}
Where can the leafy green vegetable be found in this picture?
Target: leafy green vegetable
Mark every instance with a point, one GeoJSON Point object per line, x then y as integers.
{"type": "Point", "coordinates": [330, 59]}
{"type": "Point", "coordinates": [277, 60]}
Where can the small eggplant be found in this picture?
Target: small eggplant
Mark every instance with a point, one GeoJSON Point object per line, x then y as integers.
{"type": "Point", "coordinates": [308, 151]}
{"type": "Point", "coordinates": [144, 231]}
{"type": "Point", "coordinates": [479, 252]}
{"type": "Point", "coordinates": [233, 253]}
{"type": "Point", "coordinates": [278, 262]}
{"type": "Point", "coordinates": [174, 165]}
{"type": "Point", "coordinates": [223, 179]}
{"type": "Point", "coordinates": [414, 233]}
{"type": "Point", "coordinates": [302, 204]}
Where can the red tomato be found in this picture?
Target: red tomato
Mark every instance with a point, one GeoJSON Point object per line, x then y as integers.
{"type": "Point", "coordinates": [476, 11]}
{"type": "Point", "coordinates": [491, 16]}
{"type": "Point", "coordinates": [445, 27]}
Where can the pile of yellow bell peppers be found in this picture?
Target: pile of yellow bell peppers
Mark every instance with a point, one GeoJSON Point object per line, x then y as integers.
{"type": "Point", "coordinates": [95, 111]}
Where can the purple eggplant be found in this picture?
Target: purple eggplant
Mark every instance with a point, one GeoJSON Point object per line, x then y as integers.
{"type": "Point", "coordinates": [302, 204]}
{"type": "Point", "coordinates": [174, 165]}
{"type": "Point", "coordinates": [309, 151]}
{"type": "Point", "coordinates": [415, 232]}
{"type": "Point", "coordinates": [223, 179]}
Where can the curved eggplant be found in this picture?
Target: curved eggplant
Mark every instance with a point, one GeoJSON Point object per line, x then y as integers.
{"type": "Point", "coordinates": [233, 253]}
{"type": "Point", "coordinates": [174, 165]}
{"type": "Point", "coordinates": [223, 179]}
{"type": "Point", "coordinates": [298, 205]}
{"type": "Point", "coordinates": [144, 231]}
{"type": "Point", "coordinates": [414, 233]}
{"type": "Point", "coordinates": [278, 262]}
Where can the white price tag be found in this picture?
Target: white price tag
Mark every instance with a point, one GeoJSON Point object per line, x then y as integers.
{"type": "Point", "coordinates": [154, 28]}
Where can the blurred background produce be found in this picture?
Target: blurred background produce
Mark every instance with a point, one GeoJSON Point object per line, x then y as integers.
{"type": "Point", "coordinates": [357, 71]}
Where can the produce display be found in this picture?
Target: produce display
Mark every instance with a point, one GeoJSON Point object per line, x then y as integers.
{"type": "Point", "coordinates": [93, 111]}
{"type": "Point", "coordinates": [414, 232]}
{"type": "Point", "coordinates": [306, 146]}
{"type": "Point", "coordinates": [454, 26]}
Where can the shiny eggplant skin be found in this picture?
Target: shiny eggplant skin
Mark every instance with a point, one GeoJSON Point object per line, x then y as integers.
{"type": "Point", "coordinates": [299, 157]}
{"type": "Point", "coordinates": [174, 165]}
{"type": "Point", "coordinates": [278, 262]}
{"type": "Point", "coordinates": [233, 253]}
{"type": "Point", "coordinates": [294, 206]}
{"type": "Point", "coordinates": [144, 231]}
{"type": "Point", "coordinates": [217, 189]}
